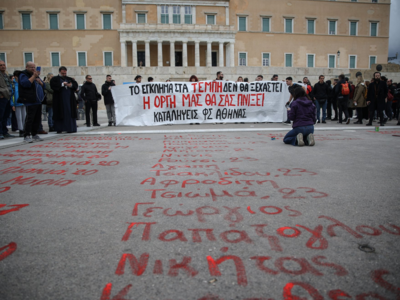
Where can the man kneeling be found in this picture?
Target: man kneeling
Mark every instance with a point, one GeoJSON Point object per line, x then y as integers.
{"type": "Point", "coordinates": [302, 113]}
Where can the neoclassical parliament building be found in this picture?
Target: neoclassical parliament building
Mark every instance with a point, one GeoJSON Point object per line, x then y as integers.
{"type": "Point", "coordinates": [178, 38]}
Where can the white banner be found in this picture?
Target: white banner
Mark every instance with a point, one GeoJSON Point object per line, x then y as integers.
{"type": "Point", "coordinates": [160, 103]}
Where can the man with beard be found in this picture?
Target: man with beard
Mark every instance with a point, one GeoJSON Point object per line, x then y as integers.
{"type": "Point", "coordinates": [377, 93]}
{"type": "Point", "coordinates": [109, 100]}
{"type": "Point", "coordinates": [220, 76]}
{"type": "Point", "coordinates": [64, 102]}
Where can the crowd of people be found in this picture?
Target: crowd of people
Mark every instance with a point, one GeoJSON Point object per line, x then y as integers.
{"type": "Point", "coordinates": [25, 97]}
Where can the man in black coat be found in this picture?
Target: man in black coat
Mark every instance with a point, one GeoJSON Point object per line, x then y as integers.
{"type": "Point", "coordinates": [376, 99]}
{"type": "Point", "coordinates": [342, 100]}
{"type": "Point", "coordinates": [109, 100]}
{"type": "Point", "coordinates": [64, 101]}
{"type": "Point", "coordinates": [90, 95]}
{"type": "Point", "coordinates": [321, 94]}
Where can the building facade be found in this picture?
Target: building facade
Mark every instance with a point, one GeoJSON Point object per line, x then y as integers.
{"type": "Point", "coordinates": [177, 38]}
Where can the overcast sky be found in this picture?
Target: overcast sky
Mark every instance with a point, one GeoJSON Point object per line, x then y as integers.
{"type": "Point", "coordinates": [394, 34]}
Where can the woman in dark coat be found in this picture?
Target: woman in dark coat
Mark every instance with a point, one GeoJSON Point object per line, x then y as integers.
{"type": "Point", "coordinates": [64, 102]}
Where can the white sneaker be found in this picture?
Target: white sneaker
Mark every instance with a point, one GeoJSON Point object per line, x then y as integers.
{"type": "Point", "coordinates": [28, 139]}
{"type": "Point", "coordinates": [37, 138]}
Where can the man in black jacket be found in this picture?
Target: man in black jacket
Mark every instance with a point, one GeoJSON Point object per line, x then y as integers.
{"type": "Point", "coordinates": [377, 94]}
{"type": "Point", "coordinates": [342, 100]}
{"type": "Point", "coordinates": [90, 95]}
{"type": "Point", "coordinates": [109, 100]}
{"type": "Point", "coordinates": [321, 94]}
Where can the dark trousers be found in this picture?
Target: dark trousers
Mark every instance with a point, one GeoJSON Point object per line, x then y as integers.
{"type": "Point", "coordinates": [335, 107]}
{"type": "Point", "coordinates": [91, 104]}
{"type": "Point", "coordinates": [395, 110]}
{"type": "Point", "coordinates": [342, 104]}
{"type": "Point", "coordinates": [291, 136]}
{"type": "Point", "coordinates": [14, 123]}
{"type": "Point", "coordinates": [5, 108]}
{"type": "Point", "coordinates": [388, 109]}
{"type": "Point", "coordinates": [360, 114]}
{"type": "Point", "coordinates": [350, 111]}
{"type": "Point", "coordinates": [33, 119]}
{"type": "Point", "coordinates": [329, 109]}
{"type": "Point", "coordinates": [372, 107]}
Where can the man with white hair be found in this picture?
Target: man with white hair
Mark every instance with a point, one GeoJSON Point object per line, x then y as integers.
{"type": "Point", "coordinates": [31, 94]}
{"type": "Point", "coordinates": [5, 95]}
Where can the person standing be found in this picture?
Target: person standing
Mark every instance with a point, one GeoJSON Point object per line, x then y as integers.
{"type": "Point", "coordinates": [342, 92]}
{"type": "Point", "coordinates": [220, 76]}
{"type": "Point", "coordinates": [260, 78]}
{"type": "Point", "coordinates": [64, 101]}
{"type": "Point", "coordinates": [30, 88]}
{"type": "Point", "coordinates": [109, 100]}
{"type": "Point", "coordinates": [302, 113]}
{"type": "Point", "coordinates": [49, 102]}
{"type": "Point", "coordinates": [377, 93]}
{"type": "Point", "coordinates": [274, 77]}
{"type": "Point", "coordinates": [321, 94]}
{"type": "Point", "coordinates": [5, 95]}
{"type": "Point", "coordinates": [19, 108]}
{"type": "Point", "coordinates": [138, 79]}
{"type": "Point", "coordinates": [90, 95]}
{"type": "Point", "coordinates": [359, 101]}
{"type": "Point", "coordinates": [390, 98]}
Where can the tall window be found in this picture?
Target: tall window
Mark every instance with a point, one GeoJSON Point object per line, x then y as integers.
{"type": "Point", "coordinates": [188, 15]}
{"type": "Point", "coordinates": [107, 21]}
{"type": "Point", "coordinates": [265, 25]}
{"type": "Point", "coordinates": [176, 14]}
{"type": "Point", "coordinates": [332, 61]}
{"type": "Point", "coordinates": [332, 27]}
{"type": "Point", "coordinates": [353, 28]}
{"type": "Point", "coordinates": [352, 62]}
{"type": "Point", "coordinates": [242, 59]}
{"type": "Point", "coordinates": [108, 60]}
{"type": "Point", "coordinates": [28, 56]}
{"type": "Point", "coordinates": [266, 59]}
{"type": "Point", "coordinates": [164, 14]}
{"type": "Point", "coordinates": [288, 60]}
{"type": "Point", "coordinates": [82, 59]}
{"type": "Point", "coordinates": [310, 60]}
{"type": "Point", "coordinates": [80, 21]}
{"type": "Point", "coordinates": [1, 21]}
{"type": "Point", "coordinates": [3, 57]}
{"type": "Point", "coordinates": [374, 29]}
{"type": "Point", "coordinates": [372, 61]}
{"type": "Point", "coordinates": [242, 23]}
{"type": "Point", "coordinates": [210, 19]}
{"type": "Point", "coordinates": [26, 21]}
{"type": "Point", "coordinates": [141, 18]}
{"type": "Point", "coordinates": [288, 25]}
{"type": "Point", "coordinates": [53, 20]}
{"type": "Point", "coordinates": [55, 59]}
{"type": "Point", "coordinates": [311, 26]}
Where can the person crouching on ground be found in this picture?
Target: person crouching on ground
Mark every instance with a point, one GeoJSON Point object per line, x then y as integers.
{"type": "Point", "coordinates": [302, 113]}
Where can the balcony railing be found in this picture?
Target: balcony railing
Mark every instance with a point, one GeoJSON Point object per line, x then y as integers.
{"type": "Point", "coordinates": [178, 27]}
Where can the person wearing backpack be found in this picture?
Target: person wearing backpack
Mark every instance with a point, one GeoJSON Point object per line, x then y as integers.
{"type": "Point", "coordinates": [359, 99]}
{"type": "Point", "coordinates": [376, 99]}
{"type": "Point", "coordinates": [342, 92]}
{"type": "Point", "coordinates": [321, 94]}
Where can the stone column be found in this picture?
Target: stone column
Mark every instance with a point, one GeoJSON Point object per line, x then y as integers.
{"type": "Point", "coordinates": [221, 54]}
{"type": "Point", "coordinates": [123, 13]}
{"type": "Point", "coordinates": [194, 14]}
{"type": "Point", "coordinates": [182, 15]}
{"type": "Point", "coordinates": [208, 54]}
{"type": "Point", "coordinates": [160, 54]}
{"type": "Point", "coordinates": [170, 14]}
{"type": "Point", "coordinates": [232, 54]}
{"type": "Point", "coordinates": [197, 53]}
{"type": "Point", "coordinates": [123, 54]}
{"type": "Point", "coordinates": [227, 15]}
{"type": "Point", "coordinates": [134, 54]}
{"type": "Point", "coordinates": [147, 53]}
{"type": "Point", "coordinates": [172, 54]}
{"type": "Point", "coordinates": [184, 54]}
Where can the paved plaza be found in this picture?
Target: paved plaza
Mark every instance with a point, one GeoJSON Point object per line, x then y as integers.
{"type": "Point", "coordinates": [201, 212]}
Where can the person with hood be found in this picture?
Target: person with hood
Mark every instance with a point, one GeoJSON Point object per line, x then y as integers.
{"type": "Point", "coordinates": [342, 93]}
{"type": "Point", "coordinates": [19, 108]}
{"type": "Point", "coordinates": [302, 113]}
{"type": "Point", "coordinates": [376, 98]}
{"type": "Point", "coordinates": [359, 101]}
{"type": "Point", "coordinates": [64, 101]}
{"type": "Point", "coordinates": [90, 95]}
{"type": "Point", "coordinates": [109, 100]}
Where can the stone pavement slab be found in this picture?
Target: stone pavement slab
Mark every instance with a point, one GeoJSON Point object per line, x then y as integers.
{"type": "Point", "coordinates": [109, 214]}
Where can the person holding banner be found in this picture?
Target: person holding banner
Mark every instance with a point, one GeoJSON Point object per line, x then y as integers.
{"type": "Point", "coordinates": [302, 113]}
